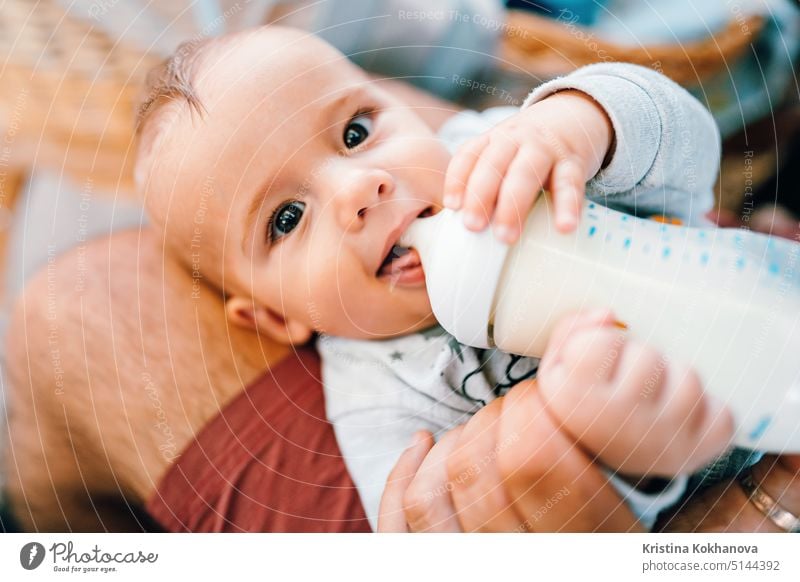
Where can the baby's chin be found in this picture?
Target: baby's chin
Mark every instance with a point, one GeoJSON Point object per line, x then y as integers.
{"type": "Point", "coordinates": [386, 330]}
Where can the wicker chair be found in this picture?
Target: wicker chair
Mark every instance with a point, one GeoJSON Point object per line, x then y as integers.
{"type": "Point", "coordinates": [67, 95]}
{"type": "Point", "coordinates": [559, 47]}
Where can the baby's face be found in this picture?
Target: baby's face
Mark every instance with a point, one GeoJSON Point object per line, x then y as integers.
{"type": "Point", "coordinates": [315, 173]}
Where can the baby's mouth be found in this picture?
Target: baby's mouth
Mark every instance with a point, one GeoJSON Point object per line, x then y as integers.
{"type": "Point", "coordinates": [398, 261]}
{"type": "Point", "coordinates": [402, 265]}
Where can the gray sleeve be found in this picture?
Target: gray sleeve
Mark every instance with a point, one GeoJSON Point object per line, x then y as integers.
{"type": "Point", "coordinates": [667, 150]}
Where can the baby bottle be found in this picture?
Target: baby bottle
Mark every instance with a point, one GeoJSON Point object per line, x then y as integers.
{"type": "Point", "coordinates": [725, 301]}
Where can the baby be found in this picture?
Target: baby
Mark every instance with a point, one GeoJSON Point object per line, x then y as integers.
{"type": "Point", "coordinates": [284, 176]}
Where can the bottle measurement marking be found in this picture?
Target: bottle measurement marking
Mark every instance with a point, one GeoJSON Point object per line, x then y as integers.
{"type": "Point", "coordinates": [760, 428]}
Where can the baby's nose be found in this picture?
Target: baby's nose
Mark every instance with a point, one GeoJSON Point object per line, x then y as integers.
{"type": "Point", "coordinates": [361, 193]}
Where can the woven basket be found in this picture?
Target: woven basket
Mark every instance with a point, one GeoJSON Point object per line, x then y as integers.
{"type": "Point", "coordinates": [67, 93]}
{"type": "Point", "coordinates": [549, 47]}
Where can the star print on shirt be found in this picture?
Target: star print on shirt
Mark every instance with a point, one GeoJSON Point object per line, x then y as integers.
{"type": "Point", "coordinates": [396, 356]}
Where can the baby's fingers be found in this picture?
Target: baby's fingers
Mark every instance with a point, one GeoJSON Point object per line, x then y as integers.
{"type": "Point", "coordinates": [484, 182]}
{"type": "Point", "coordinates": [567, 185]}
{"type": "Point", "coordinates": [568, 326]}
{"type": "Point", "coordinates": [521, 186]}
{"type": "Point", "coordinates": [460, 169]}
{"type": "Point", "coordinates": [704, 423]}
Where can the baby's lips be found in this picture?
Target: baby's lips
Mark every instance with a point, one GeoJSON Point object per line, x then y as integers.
{"type": "Point", "coordinates": [404, 269]}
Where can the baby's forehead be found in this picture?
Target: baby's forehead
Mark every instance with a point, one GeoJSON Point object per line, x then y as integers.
{"type": "Point", "coordinates": [261, 96]}
{"type": "Point", "coordinates": [264, 94]}
{"type": "Point", "coordinates": [285, 66]}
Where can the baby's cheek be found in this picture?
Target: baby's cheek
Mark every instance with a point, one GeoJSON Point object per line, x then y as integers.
{"type": "Point", "coordinates": [441, 157]}
{"type": "Point", "coordinates": [337, 314]}
{"type": "Point", "coordinates": [330, 288]}
{"type": "Point", "coordinates": [422, 150]}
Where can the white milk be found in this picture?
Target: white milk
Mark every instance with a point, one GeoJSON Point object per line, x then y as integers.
{"type": "Point", "coordinates": [727, 302]}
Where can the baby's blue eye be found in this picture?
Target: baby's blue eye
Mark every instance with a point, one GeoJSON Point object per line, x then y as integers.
{"type": "Point", "coordinates": [357, 131]}
{"type": "Point", "coordinates": [285, 219]}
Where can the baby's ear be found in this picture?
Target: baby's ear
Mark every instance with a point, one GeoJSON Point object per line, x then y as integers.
{"type": "Point", "coordinates": [244, 313]}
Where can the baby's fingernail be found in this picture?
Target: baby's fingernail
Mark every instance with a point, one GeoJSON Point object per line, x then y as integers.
{"type": "Point", "coordinates": [566, 220]}
{"type": "Point", "coordinates": [601, 315]}
{"type": "Point", "coordinates": [580, 338]}
{"type": "Point", "coordinates": [419, 437]}
{"type": "Point", "coordinates": [716, 404]}
{"type": "Point", "coordinates": [452, 202]}
{"type": "Point", "coordinates": [473, 221]}
{"type": "Point", "coordinates": [505, 234]}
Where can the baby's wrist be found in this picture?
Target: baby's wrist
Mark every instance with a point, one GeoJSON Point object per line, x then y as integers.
{"type": "Point", "coordinates": [596, 125]}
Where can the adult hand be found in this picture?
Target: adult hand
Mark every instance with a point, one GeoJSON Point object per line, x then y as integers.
{"type": "Point", "coordinates": [417, 493]}
{"type": "Point", "coordinates": [509, 468]}
{"type": "Point", "coordinates": [726, 508]}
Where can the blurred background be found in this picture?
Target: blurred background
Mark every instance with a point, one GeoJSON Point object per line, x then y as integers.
{"type": "Point", "coordinates": [71, 72]}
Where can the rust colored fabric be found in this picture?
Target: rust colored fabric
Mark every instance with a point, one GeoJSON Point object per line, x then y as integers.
{"type": "Point", "coordinates": [269, 462]}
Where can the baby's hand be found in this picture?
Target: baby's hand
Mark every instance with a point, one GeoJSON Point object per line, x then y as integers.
{"type": "Point", "coordinates": [639, 413]}
{"type": "Point", "coordinates": [558, 144]}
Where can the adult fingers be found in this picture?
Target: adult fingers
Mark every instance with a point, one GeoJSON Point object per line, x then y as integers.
{"type": "Point", "coordinates": [391, 517]}
{"type": "Point", "coordinates": [427, 502]}
{"type": "Point", "coordinates": [791, 462]}
{"type": "Point", "coordinates": [477, 491]}
{"type": "Point", "coordinates": [552, 483]}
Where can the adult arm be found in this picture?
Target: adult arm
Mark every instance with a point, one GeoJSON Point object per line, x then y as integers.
{"type": "Point", "coordinates": [115, 361]}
